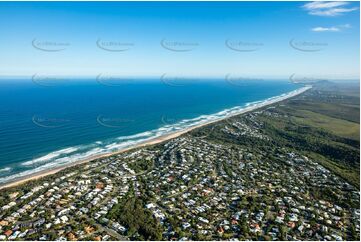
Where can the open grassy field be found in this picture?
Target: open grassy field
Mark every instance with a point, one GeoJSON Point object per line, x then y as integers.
{"type": "Point", "coordinates": [337, 126]}
{"type": "Point", "coordinates": [342, 111]}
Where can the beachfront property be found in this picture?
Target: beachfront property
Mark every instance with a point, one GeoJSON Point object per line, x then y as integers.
{"type": "Point", "coordinates": [190, 188]}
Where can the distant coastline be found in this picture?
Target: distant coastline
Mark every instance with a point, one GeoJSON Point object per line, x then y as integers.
{"type": "Point", "coordinates": [152, 141]}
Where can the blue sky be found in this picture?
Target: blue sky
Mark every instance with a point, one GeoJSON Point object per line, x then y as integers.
{"type": "Point", "coordinates": [253, 39]}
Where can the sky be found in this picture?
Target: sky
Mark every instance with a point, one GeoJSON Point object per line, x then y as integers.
{"type": "Point", "coordinates": [202, 39]}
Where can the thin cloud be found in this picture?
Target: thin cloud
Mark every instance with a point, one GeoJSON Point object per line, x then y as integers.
{"type": "Point", "coordinates": [321, 5]}
{"type": "Point", "coordinates": [331, 29]}
{"type": "Point", "coordinates": [323, 29]}
{"type": "Point", "coordinates": [346, 26]}
{"type": "Point", "coordinates": [328, 8]}
{"type": "Point", "coordinates": [332, 12]}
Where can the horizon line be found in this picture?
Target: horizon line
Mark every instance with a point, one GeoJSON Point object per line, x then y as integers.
{"type": "Point", "coordinates": [174, 76]}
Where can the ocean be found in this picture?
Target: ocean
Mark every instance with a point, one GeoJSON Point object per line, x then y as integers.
{"type": "Point", "coordinates": [46, 123]}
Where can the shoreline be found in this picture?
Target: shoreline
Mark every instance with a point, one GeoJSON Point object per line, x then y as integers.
{"type": "Point", "coordinates": [152, 141]}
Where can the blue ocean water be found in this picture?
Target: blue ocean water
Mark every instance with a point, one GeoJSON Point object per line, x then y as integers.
{"type": "Point", "coordinates": [45, 124]}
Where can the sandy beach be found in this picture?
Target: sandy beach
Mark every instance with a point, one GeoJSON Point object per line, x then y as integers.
{"type": "Point", "coordinates": [152, 141]}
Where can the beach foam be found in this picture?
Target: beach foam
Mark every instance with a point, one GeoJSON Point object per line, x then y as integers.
{"type": "Point", "coordinates": [5, 169]}
{"type": "Point", "coordinates": [50, 156]}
